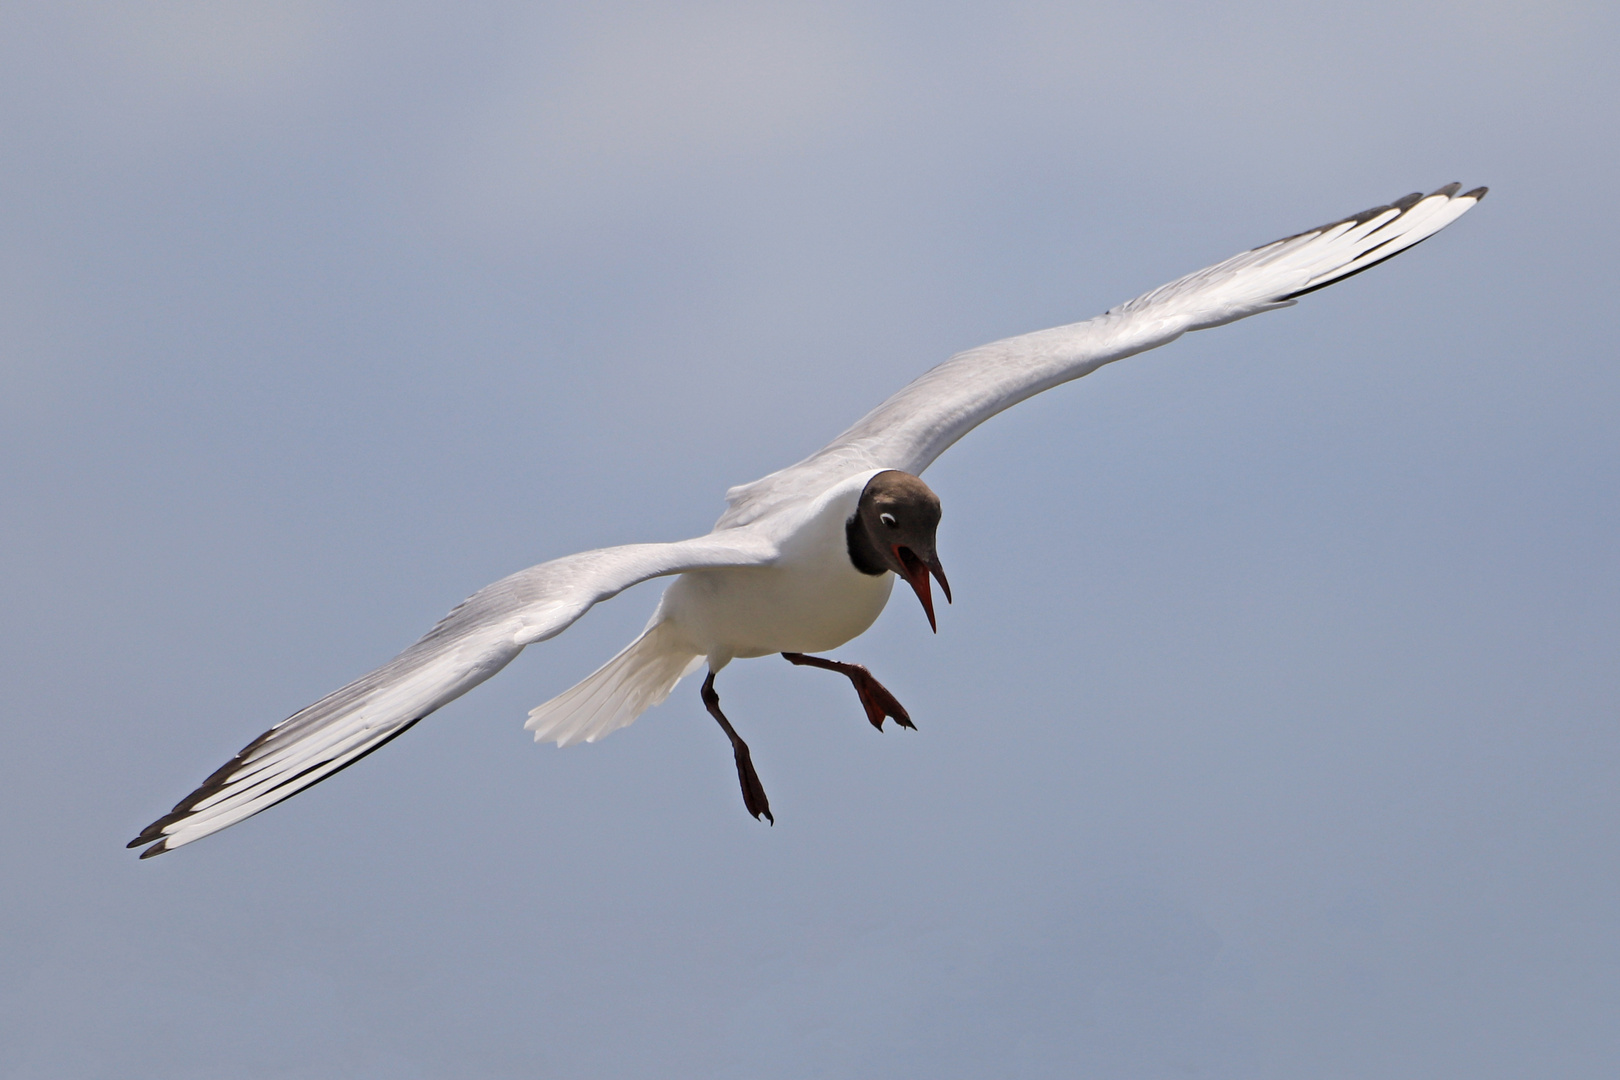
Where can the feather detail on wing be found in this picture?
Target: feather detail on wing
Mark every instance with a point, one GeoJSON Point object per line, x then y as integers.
{"type": "Point", "coordinates": [916, 425]}
{"type": "Point", "coordinates": [478, 638]}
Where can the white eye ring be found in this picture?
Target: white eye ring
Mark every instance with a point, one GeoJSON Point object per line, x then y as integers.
{"type": "Point", "coordinates": [887, 519]}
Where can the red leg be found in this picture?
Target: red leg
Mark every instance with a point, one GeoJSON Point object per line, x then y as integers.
{"type": "Point", "coordinates": [753, 792]}
{"type": "Point", "coordinates": [875, 697]}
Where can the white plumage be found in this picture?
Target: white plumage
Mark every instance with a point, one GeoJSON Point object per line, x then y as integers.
{"type": "Point", "coordinates": [774, 575]}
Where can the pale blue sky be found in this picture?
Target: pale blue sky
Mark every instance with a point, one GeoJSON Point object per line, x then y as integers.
{"type": "Point", "coordinates": [1273, 732]}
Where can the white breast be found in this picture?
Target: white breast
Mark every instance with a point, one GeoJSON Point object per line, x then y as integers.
{"type": "Point", "coordinates": [810, 600]}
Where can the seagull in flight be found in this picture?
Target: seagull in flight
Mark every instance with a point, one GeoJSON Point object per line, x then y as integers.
{"type": "Point", "coordinates": [801, 561]}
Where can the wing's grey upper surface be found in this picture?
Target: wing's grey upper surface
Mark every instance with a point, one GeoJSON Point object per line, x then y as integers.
{"type": "Point", "coordinates": [474, 641]}
{"type": "Point", "coordinates": [917, 424]}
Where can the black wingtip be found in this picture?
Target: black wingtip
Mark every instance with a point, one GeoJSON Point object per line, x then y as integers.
{"type": "Point", "coordinates": [154, 831]}
{"type": "Point", "coordinates": [156, 849]}
{"type": "Point", "coordinates": [1477, 194]}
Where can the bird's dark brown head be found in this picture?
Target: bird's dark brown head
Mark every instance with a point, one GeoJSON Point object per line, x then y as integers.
{"type": "Point", "coordinates": [893, 529]}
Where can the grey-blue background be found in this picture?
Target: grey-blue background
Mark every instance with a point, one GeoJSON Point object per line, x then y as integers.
{"type": "Point", "coordinates": [1273, 732]}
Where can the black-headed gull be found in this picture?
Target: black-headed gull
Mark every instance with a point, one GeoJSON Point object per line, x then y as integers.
{"type": "Point", "coordinates": [801, 560]}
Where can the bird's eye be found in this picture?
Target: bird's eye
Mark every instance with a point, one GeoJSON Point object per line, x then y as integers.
{"type": "Point", "coordinates": [887, 519]}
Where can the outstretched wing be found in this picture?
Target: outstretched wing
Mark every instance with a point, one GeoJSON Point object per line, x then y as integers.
{"type": "Point", "coordinates": [916, 425]}
{"type": "Point", "coordinates": [478, 638]}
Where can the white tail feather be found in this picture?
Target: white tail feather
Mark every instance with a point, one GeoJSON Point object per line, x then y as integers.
{"type": "Point", "coordinates": [641, 676]}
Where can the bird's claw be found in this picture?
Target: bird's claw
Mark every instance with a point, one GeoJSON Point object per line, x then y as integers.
{"type": "Point", "coordinates": [753, 792]}
{"type": "Point", "coordinates": [878, 702]}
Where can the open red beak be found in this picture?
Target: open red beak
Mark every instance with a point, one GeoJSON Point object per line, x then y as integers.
{"type": "Point", "coordinates": [916, 576]}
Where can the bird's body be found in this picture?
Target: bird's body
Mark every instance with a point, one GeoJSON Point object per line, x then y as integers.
{"type": "Point", "coordinates": [801, 560]}
{"type": "Point", "coordinates": [810, 599]}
